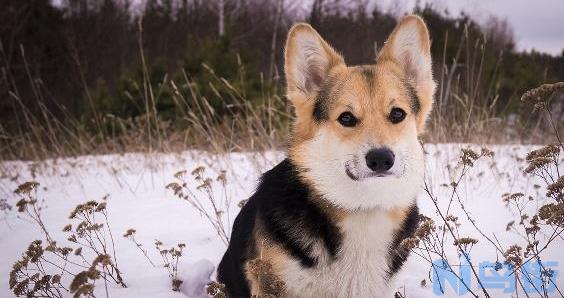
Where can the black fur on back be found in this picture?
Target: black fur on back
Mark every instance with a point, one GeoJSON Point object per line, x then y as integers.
{"type": "Point", "coordinates": [230, 270]}
{"type": "Point", "coordinates": [284, 205]}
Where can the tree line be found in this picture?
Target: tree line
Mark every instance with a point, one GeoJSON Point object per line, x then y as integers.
{"type": "Point", "coordinates": [78, 58]}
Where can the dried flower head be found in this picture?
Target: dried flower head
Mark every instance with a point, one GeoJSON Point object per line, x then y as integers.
{"type": "Point", "coordinates": [129, 233]}
{"type": "Point", "coordinates": [222, 177]}
{"type": "Point", "coordinates": [64, 250]}
{"type": "Point", "coordinates": [175, 187]}
{"type": "Point", "coordinates": [52, 247]}
{"type": "Point", "coordinates": [556, 190]}
{"type": "Point", "coordinates": [176, 283]}
{"type": "Point", "coordinates": [207, 183]}
{"type": "Point", "coordinates": [22, 205]}
{"type": "Point", "coordinates": [216, 290]}
{"type": "Point", "coordinates": [510, 225]}
{"type": "Point", "coordinates": [87, 208]}
{"type": "Point", "coordinates": [423, 283]}
{"type": "Point", "coordinates": [541, 158]}
{"type": "Point", "coordinates": [4, 206]}
{"type": "Point", "coordinates": [552, 214]}
{"type": "Point", "coordinates": [542, 92]}
{"type": "Point", "coordinates": [26, 188]}
{"type": "Point", "coordinates": [487, 152]}
{"type": "Point", "coordinates": [513, 256]}
{"type": "Point", "coordinates": [180, 174]}
{"type": "Point", "coordinates": [78, 282]}
{"type": "Point", "coordinates": [426, 227]}
{"type": "Point", "coordinates": [512, 197]}
{"type": "Point", "coordinates": [101, 207]}
{"type": "Point", "coordinates": [198, 171]}
{"type": "Point", "coordinates": [34, 251]}
{"type": "Point", "coordinates": [103, 259]}
{"type": "Point", "coordinates": [465, 241]}
{"type": "Point", "coordinates": [410, 243]}
{"type": "Point", "coordinates": [262, 271]}
{"type": "Point", "coordinates": [468, 156]}
{"type": "Point", "coordinates": [56, 279]}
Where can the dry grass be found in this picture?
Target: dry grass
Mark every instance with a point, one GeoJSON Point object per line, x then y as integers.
{"type": "Point", "coordinates": [245, 127]}
{"type": "Point", "coordinates": [466, 110]}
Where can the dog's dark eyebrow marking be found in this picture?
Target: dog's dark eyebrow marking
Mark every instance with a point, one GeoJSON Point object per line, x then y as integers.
{"type": "Point", "coordinates": [415, 102]}
{"type": "Point", "coordinates": [323, 100]}
{"type": "Point", "coordinates": [320, 112]}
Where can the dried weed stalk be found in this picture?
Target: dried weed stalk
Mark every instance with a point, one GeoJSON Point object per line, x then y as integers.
{"type": "Point", "coordinates": [219, 203]}
{"type": "Point", "coordinates": [130, 234]}
{"type": "Point", "coordinates": [171, 257]}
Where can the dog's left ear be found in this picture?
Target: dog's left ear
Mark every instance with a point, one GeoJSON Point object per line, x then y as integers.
{"type": "Point", "coordinates": [410, 48]}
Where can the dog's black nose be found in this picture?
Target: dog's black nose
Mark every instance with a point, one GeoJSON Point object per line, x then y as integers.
{"type": "Point", "coordinates": [380, 160]}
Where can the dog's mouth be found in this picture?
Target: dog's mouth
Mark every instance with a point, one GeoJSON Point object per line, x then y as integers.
{"type": "Point", "coordinates": [357, 177]}
{"type": "Point", "coordinates": [349, 170]}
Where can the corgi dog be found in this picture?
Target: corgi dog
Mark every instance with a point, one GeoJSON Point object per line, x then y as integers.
{"type": "Point", "coordinates": [329, 219]}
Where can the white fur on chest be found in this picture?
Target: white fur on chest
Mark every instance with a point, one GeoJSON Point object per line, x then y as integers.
{"type": "Point", "coordinates": [360, 270]}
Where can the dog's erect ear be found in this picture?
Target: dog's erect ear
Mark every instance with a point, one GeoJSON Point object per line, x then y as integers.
{"type": "Point", "coordinates": [410, 48]}
{"type": "Point", "coordinates": [309, 59]}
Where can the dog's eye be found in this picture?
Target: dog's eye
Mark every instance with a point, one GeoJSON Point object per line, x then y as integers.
{"type": "Point", "coordinates": [397, 115]}
{"type": "Point", "coordinates": [347, 119]}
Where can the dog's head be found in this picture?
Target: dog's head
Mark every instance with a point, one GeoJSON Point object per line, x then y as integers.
{"type": "Point", "coordinates": [356, 130]}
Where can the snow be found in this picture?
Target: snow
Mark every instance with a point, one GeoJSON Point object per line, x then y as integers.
{"type": "Point", "coordinates": [137, 198]}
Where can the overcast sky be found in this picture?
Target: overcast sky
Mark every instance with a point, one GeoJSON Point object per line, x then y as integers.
{"type": "Point", "coordinates": [537, 24]}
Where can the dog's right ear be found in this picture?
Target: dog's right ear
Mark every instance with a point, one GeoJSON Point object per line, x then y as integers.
{"type": "Point", "coordinates": [308, 60]}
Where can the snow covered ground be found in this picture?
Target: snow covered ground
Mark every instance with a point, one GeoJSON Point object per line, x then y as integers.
{"type": "Point", "coordinates": [138, 199]}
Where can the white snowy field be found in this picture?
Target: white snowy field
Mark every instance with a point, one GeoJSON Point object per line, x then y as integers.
{"type": "Point", "coordinates": [137, 198]}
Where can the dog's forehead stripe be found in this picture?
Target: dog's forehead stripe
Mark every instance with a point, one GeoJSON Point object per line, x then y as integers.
{"type": "Point", "coordinates": [369, 74]}
{"type": "Point", "coordinates": [415, 102]}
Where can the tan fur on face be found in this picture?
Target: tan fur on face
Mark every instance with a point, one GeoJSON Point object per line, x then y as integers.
{"type": "Point", "coordinates": [371, 103]}
{"type": "Point", "coordinates": [321, 87]}
{"type": "Point", "coordinates": [370, 100]}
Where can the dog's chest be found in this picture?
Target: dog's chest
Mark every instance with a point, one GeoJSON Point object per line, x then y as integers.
{"type": "Point", "coordinates": [361, 268]}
